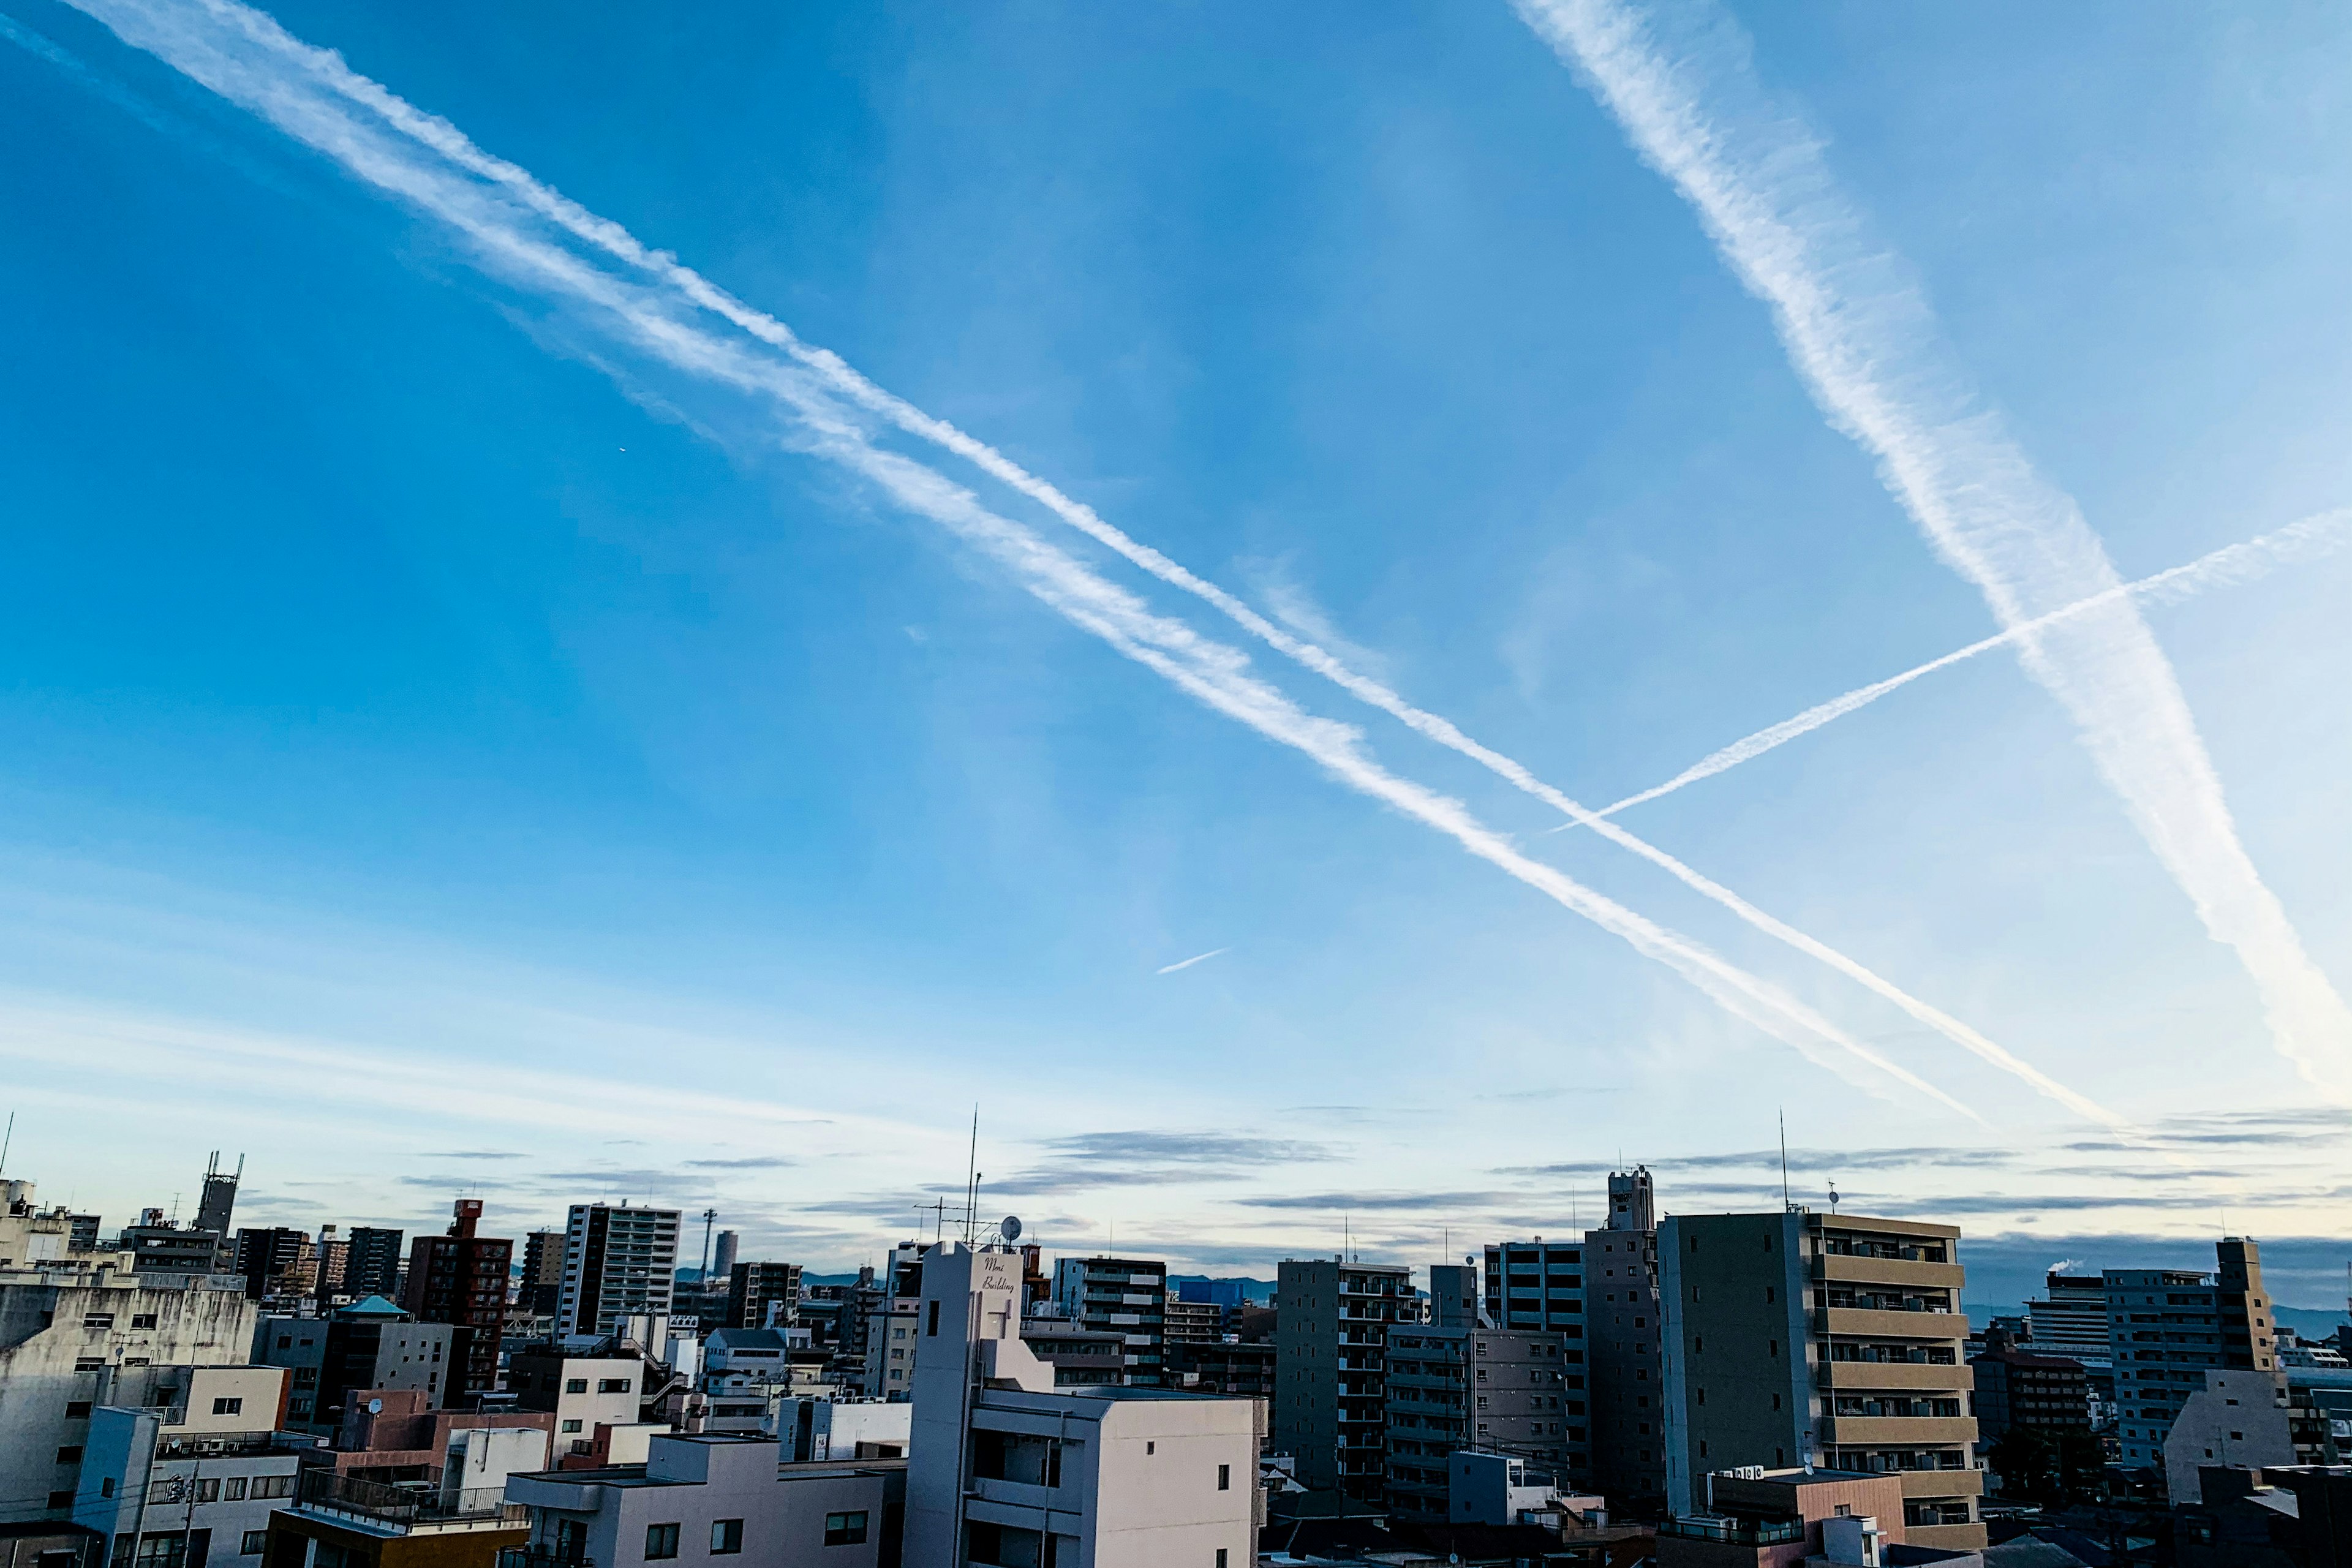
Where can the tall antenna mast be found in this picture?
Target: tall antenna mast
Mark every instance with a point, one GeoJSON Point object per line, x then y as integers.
{"type": "Point", "coordinates": [709, 1217]}
{"type": "Point", "coordinates": [1785, 1203]}
{"type": "Point", "coordinates": [971, 1177]}
{"type": "Point", "coordinates": [10, 1137]}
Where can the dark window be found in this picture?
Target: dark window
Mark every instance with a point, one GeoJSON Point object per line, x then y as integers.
{"type": "Point", "coordinates": [1225, 1478]}
{"type": "Point", "coordinates": [254, 1540]}
{"type": "Point", "coordinates": [70, 1454]}
{"type": "Point", "coordinates": [661, 1541]}
{"type": "Point", "coordinates": [849, 1529]}
{"type": "Point", "coordinates": [106, 1486]}
{"type": "Point", "coordinates": [726, 1537]}
{"type": "Point", "coordinates": [612, 1386]}
{"type": "Point", "coordinates": [97, 1320]}
{"type": "Point", "coordinates": [142, 1320]}
{"type": "Point", "coordinates": [1221, 1557]}
{"type": "Point", "coordinates": [576, 1386]}
{"type": "Point", "coordinates": [232, 1406]}
{"type": "Point", "coordinates": [78, 1409]}
{"type": "Point", "coordinates": [935, 1323]}
{"type": "Point", "coordinates": [62, 1500]}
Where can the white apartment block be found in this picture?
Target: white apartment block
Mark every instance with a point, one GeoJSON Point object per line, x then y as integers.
{"type": "Point", "coordinates": [1005, 1469]}
{"type": "Point", "coordinates": [618, 1261]}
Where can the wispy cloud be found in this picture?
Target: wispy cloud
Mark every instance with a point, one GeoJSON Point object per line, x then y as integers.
{"type": "Point", "coordinates": [1196, 958]}
{"type": "Point", "coordinates": [1862, 336]}
{"type": "Point", "coordinates": [2233, 564]}
{"type": "Point", "coordinates": [750, 1163]}
{"type": "Point", "coordinates": [468, 1154]}
{"type": "Point", "coordinates": [505, 214]}
{"type": "Point", "coordinates": [1185, 1149]}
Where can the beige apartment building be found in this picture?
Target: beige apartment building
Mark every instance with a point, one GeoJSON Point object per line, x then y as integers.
{"type": "Point", "coordinates": [1831, 1340]}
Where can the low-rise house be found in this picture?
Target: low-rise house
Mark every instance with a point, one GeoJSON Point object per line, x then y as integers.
{"type": "Point", "coordinates": [457, 1519]}
{"type": "Point", "coordinates": [700, 1496]}
{"type": "Point", "coordinates": [195, 1484]}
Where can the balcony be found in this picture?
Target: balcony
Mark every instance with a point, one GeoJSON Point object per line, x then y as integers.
{"type": "Point", "coordinates": [540, 1556]}
{"type": "Point", "coordinates": [1877, 1431]}
{"type": "Point", "coordinates": [1868, 1324]}
{"type": "Point", "coordinates": [1836, 1267]}
{"type": "Point", "coordinates": [1895, 1377]}
{"type": "Point", "coordinates": [1736, 1531]}
{"type": "Point", "coordinates": [1942, 1483]}
{"type": "Point", "coordinates": [323, 1491]}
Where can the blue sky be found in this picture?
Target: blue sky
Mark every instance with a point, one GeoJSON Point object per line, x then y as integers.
{"type": "Point", "coordinates": [442, 745]}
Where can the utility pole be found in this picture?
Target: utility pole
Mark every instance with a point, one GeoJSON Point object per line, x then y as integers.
{"type": "Point", "coordinates": [709, 1218]}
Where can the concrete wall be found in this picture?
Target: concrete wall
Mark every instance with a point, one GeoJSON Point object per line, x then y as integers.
{"type": "Point", "coordinates": [1732, 1290]}
{"type": "Point", "coordinates": [55, 1371]}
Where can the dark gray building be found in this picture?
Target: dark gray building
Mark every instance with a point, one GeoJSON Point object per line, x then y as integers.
{"type": "Point", "coordinates": [372, 1266]}
{"type": "Point", "coordinates": [1500, 1390]}
{"type": "Point", "coordinates": [369, 1344]}
{"type": "Point", "coordinates": [1330, 1395]}
{"type": "Point", "coordinates": [1627, 1385]}
{"type": "Point", "coordinates": [755, 1288]}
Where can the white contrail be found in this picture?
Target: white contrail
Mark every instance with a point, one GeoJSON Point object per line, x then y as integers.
{"type": "Point", "coordinates": [327, 70]}
{"type": "Point", "coordinates": [206, 41]}
{"type": "Point", "coordinates": [1866, 344]}
{"type": "Point", "coordinates": [2242, 562]}
{"type": "Point", "coordinates": [1197, 958]}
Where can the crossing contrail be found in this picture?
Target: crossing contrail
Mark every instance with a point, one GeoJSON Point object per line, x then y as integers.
{"type": "Point", "coordinates": [2242, 562]}
{"type": "Point", "coordinates": [215, 42]}
{"type": "Point", "coordinates": [1862, 338]}
{"type": "Point", "coordinates": [327, 71]}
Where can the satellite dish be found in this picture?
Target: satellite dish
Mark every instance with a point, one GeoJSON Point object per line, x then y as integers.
{"type": "Point", "coordinates": [1010, 1228]}
{"type": "Point", "coordinates": [375, 1406]}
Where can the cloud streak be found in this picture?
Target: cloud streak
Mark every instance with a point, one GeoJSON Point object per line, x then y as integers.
{"type": "Point", "coordinates": [328, 71]}
{"type": "Point", "coordinates": [1866, 345]}
{"type": "Point", "coordinates": [2233, 564]}
{"type": "Point", "coordinates": [1183, 964]}
{"type": "Point", "coordinates": [248, 58]}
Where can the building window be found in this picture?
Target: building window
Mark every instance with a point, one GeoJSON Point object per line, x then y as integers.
{"type": "Point", "coordinates": [1225, 1478]}
{"type": "Point", "coordinates": [164, 1551]}
{"type": "Point", "coordinates": [70, 1454]}
{"type": "Point", "coordinates": [849, 1529]}
{"type": "Point", "coordinates": [661, 1541]}
{"type": "Point", "coordinates": [78, 1409]}
{"type": "Point", "coordinates": [570, 1426]}
{"type": "Point", "coordinates": [97, 1320]}
{"type": "Point", "coordinates": [142, 1320]}
{"type": "Point", "coordinates": [612, 1386]}
{"type": "Point", "coordinates": [106, 1486]}
{"type": "Point", "coordinates": [726, 1537]}
{"type": "Point", "coordinates": [575, 1385]}
{"type": "Point", "coordinates": [208, 1489]}
{"type": "Point", "coordinates": [934, 1329]}
{"type": "Point", "coordinates": [1221, 1557]}
{"type": "Point", "coordinates": [230, 1407]}
{"type": "Point", "coordinates": [272, 1486]}
{"type": "Point", "coordinates": [234, 1490]}
{"type": "Point", "coordinates": [62, 1500]}
{"type": "Point", "coordinates": [254, 1540]}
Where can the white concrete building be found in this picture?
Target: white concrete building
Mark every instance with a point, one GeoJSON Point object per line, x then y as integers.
{"type": "Point", "coordinates": [845, 1428]}
{"type": "Point", "coordinates": [1005, 1469]}
{"type": "Point", "coordinates": [2239, 1417]}
{"type": "Point", "coordinates": [700, 1496]}
{"type": "Point", "coordinates": [81, 1333]}
{"type": "Point", "coordinates": [581, 1391]}
{"type": "Point", "coordinates": [197, 1482]}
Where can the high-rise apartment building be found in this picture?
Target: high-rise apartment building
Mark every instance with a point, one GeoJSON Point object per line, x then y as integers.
{"type": "Point", "coordinates": [1195, 1322]}
{"type": "Point", "coordinates": [2167, 1329]}
{"type": "Point", "coordinates": [277, 1263]}
{"type": "Point", "coordinates": [1127, 1296]}
{"type": "Point", "coordinates": [2071, 1320]}
{"type": "Point", "coordinates": [616, 1261]}
{"type": "Point", "coordinates": [542, 1272]}
{"type": "Point", "coordinates": [372, 1266]}
{"type": "Point", "coordinates": [1539, 1287]}
{"type": "Point", "coordinates": [334, 1260]}
{"type": "Point", "coordinates": [755, 1288]}
{"type": "Point", "coordinates": [1331, 1370]}
{"type": "Point", "coordinates": [1455, 1388]}
{"type": "Point", "coordinates": [1800, 1339]}
{"type": "Point", "coordinates": [460, 1279]}
{"type": "Point", "coordinates": [723, 1260]}
{"type": "Point", "coordinates": [219, 1196]}
{"type": "Point", "coordinates": [1623, 1335]}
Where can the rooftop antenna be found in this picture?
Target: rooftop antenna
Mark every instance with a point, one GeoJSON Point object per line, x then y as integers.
{"type": "Point", "coordinates": [1347, 1236]}
{"type": "Point", "coordinates": [1833, 1195]}
{"type": "Point", "coordinates": [10, 1137]}
{"type": "Point", "coordinates": [971, 1176]}
{"type": "Point", "coordinates": [1785, 1203]}
{"type": "Point", "coordinates": [709, 1217]}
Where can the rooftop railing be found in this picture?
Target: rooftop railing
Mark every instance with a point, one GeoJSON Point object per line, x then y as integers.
{"type": "Point", "coordinates": [325, 1489]}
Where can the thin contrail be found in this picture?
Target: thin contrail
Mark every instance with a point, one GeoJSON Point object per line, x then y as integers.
{"type": "Point", "coordinates": [2314, 536]}
{"type": "Point", "coordinates": [1862, 338]}
{"type": "Point", "coordinates": [327, 70]}
{"type": "Point", "coordinates": [1189, 963]}
{"type": "Point", "coordinates": [208, 41]}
